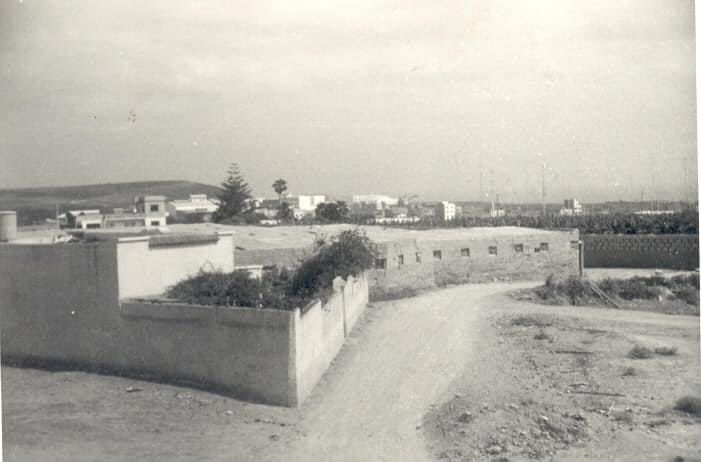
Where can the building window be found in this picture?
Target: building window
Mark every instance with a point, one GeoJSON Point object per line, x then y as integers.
{"type": "Point", "coordinates": [155, 223]}
{"type": "Point", "coordinates": [380, 263]}
{"type": "Point", "coordinates": [492, 250]}
{"type": "Point", "coordinates": [518, 248]}
{"type": "Point", "coordinates": [154, 208]}
{"type": "Point", "coordinates": [400, 259]}
{"type": "Point", "coordinates": [437, 254]}
{"type": "Point", "coordinates": [536, 249]}
{"type": "Point", "coordinates": [543, 246]}
{"type": "Point", "coordinates": [418, 257]}
{"type": "Point", "coordinates": [465, 252]}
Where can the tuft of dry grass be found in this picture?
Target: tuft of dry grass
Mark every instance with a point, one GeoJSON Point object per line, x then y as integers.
{"type": "Point", "coordinates": [666, 351]}
{"type": "Point", "coordinates": [629, 372]}
{"type": "Point", "coordinates": [640, 352]}
{"type": "Point", "coordinates": [689, 404]}
{"type": "Point", "coordinates": [530, 321]}
{"type": "Point", "coordinates": [542, 335]}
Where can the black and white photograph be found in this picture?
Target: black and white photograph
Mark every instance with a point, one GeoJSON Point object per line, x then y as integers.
{"type": "Point", "coordinates": [423, 230]}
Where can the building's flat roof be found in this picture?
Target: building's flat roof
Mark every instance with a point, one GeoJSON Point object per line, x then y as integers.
{"type": "Point", "coordinates": [275, 237]}
{"type": "Point", "coordinates": [261, 237]}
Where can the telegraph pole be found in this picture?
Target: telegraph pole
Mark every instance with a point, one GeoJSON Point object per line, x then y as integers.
{"type": "Point", "coordinates": [543, 188]}
{"type": "Point", "coordinates": [480, 168]}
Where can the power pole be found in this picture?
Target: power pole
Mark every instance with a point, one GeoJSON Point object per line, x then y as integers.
{"type": "Point", "coordinates": [481, 190]}
{"type": "Point", "coordinates": [543, 189]}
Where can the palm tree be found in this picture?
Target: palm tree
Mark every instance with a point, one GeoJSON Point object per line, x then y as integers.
{"type": "Point", "coordinates": [280, 186]}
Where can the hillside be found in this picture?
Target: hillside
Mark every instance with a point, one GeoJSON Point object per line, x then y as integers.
{"type": "Point", "coordinates": [34, 205]}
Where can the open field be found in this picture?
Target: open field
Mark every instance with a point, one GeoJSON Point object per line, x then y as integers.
{"type": "Point", "coordinates": [455, 373]}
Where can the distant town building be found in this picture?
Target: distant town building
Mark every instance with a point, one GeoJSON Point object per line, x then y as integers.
{"type": "Point", "coordinates": [379, 201]}
{"type": "Point", "coordinates": [308, 203]}
{"type": "Point", "coordinates": [83, 219]}
{"type": "Point", "coordinates": [153, 208]}
{"type": "Point", "coordinates": [198, 208]}
{"type": "Point", "coordinates": [496, 210]}
{"type": "Point", "coordinates": [571, 207]}
{"type": "Point", "coordinates": [446, 211]}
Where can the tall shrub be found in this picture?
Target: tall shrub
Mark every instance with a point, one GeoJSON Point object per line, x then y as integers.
{"type": "Point", "coordinates": [349, 253]}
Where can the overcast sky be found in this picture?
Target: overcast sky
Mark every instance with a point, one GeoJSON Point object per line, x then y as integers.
{"type": "Point", "coordinates": [353, 96]}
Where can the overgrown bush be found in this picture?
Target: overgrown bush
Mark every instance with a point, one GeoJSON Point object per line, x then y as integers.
{"type": "Point", "coordinates": [629, 372]}
{"type": "Point", "coordinates": [666, 351]}
{"type": "Point", "coordinates": [637, 288]}
{"type": "Point", "coordinates": [689, 404]}
{"type": "Point", "coordinates": [349, 253]}
{"type": "Point", "coordinates": [683, 287]}
{"type": "Point", "coordinates": [574, 288]}
{"type": "Point", "coordinates": [237, 288]}
{"type": "Point", "coordinates": [640, 352]}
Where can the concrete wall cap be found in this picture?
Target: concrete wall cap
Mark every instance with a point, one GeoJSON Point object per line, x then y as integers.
{"type": "Point", "coordinates": [133, 239]}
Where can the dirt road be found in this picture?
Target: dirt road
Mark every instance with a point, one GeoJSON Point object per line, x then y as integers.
{"type": "Point", "coordinates": [399, 360]}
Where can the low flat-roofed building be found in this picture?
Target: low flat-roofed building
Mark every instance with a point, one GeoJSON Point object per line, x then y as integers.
{"type": "Point", "coordinates": [198, 207]}
{"type": "Point", "coordinates": [73, 215]}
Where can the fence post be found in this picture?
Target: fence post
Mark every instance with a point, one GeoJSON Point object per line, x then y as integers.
{"type": "Point", "coordinates": [339, 286]}
{"type": "Point", "coordinates": [581, 258]}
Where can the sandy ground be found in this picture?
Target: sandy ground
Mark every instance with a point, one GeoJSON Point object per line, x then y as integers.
{"type": "Point", "coordinates": [407, 365]}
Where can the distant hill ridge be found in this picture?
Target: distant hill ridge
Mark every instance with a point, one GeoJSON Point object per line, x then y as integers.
{"type": "Point", "coordinates": [37, 204]}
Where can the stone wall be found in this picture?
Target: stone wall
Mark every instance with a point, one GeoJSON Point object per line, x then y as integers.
{"type": "Point", "coordinates": [410, 264]}
{"type": "Point", "coordinates": [672, 251]}
{"type": "Point", "coordinates": [413, 264]}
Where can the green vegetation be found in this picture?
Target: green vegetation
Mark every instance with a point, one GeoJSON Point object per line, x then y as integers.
{"type": "Point", "coordinates": [689, 404]}
{"type": "Point", "coordinates": [683, 287]}
{"type": "Point", "coordinates": [234, 198]}
{"type": "Point", "coordinates": [349, 253]}
{"type": "Point", "coordinates": [666, 351]}
{"type": "Point", "coordinates": [640, 352]}
{"type": "Point", "coordinates": [574, 290]}
{"type": "Point", "coordinates": [332, 212]}
{"type": "Point", "coordinates": [686, 222]}
{"type": "Point", "coordinates": [280, 186]}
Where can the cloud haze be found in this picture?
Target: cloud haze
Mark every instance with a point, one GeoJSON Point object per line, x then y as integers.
{"type": "Point", "coordinates": [354, 96]}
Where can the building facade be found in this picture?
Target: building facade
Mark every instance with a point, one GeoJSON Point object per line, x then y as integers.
{"type": "Point", "coordinates": [446, 211]}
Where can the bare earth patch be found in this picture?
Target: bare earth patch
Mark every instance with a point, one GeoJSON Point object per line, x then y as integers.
{"type": "Point", "coordinates": [558, 383]}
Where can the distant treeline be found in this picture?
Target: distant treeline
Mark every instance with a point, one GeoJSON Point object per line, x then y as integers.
{"type": "Point", "coordinates": [686, 222]}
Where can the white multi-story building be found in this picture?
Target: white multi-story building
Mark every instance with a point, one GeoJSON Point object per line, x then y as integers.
{"type": "Point", "coordinates": [446, 211]}
{"type": "Point", "coordinates": [308, 203]}
{"type": "Point", "coordinates": [380, 201]}
{"type": "Point", "coordinates": [572, 207]}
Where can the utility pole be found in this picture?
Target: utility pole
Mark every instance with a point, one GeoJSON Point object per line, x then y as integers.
{"type": "Point", "coordinates": [543, 188]}
{"type": "Point", "coordinates": [480, 168]}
